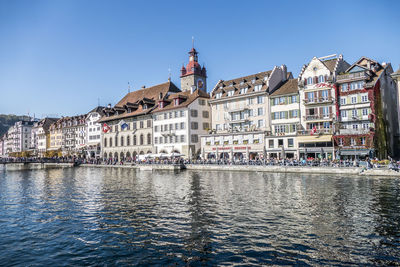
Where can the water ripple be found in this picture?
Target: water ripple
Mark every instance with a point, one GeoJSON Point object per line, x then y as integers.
{"type": "Point", "coordinates": [89, 216]}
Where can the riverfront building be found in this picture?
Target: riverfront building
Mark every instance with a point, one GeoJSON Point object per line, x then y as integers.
{"type": "Point", "coordinates": [159, 119]}
{"type": "Point", "coordinates": [3, 139]}
{"type": "Point", "coordinates": [240, 115]}
{"type": "Point", "coordinates": [42, 129]}
{"type": "Point", "coordinates": [93, 132]}
{"type": "Point", "coordinates": [181, 118]}
{"type": "Point", "coordinates": [281, 142]}
{"type": "Point", "coordinates": [318, 98]}
{"type": "Point", "coordinates": [368, 117]}
{"type": "Point", "coordinates": [128, 126]}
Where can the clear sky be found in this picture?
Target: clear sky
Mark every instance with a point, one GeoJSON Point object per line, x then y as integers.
{"type": "Point", "coordinates": [59, 57]}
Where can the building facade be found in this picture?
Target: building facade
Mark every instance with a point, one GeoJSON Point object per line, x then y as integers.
{"type": "Point", "coordinates": [368, 117]}
{"type": "Point", "coordinates": [285, 120]}
{"type": "Point", "coordinates": [318, 108]}
{"type": "Point", "coordinates": [128, 126]}
{"type": "Point", "coordinates": [94, 131]}
{"type": "Point", "coordinates": [179, 121]}
{"type": "Point", "coordinates": [240, 115]}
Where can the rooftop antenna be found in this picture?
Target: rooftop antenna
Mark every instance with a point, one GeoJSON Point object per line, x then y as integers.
{"type": "Point", "coordinates": [98, 101]}
{"type": "Point", "coordinates": [129, 88]}
{"type": "Point", "coordinates": [169, 74]}
{"type": "Point", "coordinates": [192, 41]}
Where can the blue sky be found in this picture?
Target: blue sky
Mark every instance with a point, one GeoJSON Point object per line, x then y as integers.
{"type": "Point", "coordinates": [59, 57]}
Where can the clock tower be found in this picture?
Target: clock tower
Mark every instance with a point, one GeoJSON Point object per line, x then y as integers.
{"type": "Point", "coordinates": [193, 76]}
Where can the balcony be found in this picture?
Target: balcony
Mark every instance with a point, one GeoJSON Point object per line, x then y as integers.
{"type": "Point", "coordinates": [318, 117]}
{"type": "Point", "coordinates": [355, 118]}
{"type": "Point", "coordinates": [321, 100]}
{"type": "Point", "coordinates": [354, 131]}
{"type": "Point", "coordinates": [317, 132]}
{"type": "Point", "coordinates": [236, 109]}
{"type": "Point", "coordinates": [352, 76]}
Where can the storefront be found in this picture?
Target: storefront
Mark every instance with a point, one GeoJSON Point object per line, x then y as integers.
{"type": "Point", "coordinates": [353, 153]}
{"type": "Point", "coordinates": [233, 146]}
{"type": "Point", "coordinates": [316, 147]}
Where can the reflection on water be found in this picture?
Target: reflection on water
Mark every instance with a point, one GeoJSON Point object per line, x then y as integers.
{"type": "Point", "coordinates": [88, 216]}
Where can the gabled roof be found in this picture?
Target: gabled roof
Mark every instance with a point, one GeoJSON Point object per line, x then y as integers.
{"type": "Point", "coordinates": [146, 95]}
{"type": "Point", "coordinates": [330, 64]}
{"type": "Point", "coordinates": [46, 122]}
{"type": "Point", "coordinates": [288, 88]}
{"type": "Point", "coordinates": [149, 93]}
{"type": "Point", "coordinates": [242, 82]}
{"type": "Point", "coordinates": [98, 109]}
{"type": "Point", "coordinates": [358, 63]}
{"type": "Point", "coordinates": [188, 98]}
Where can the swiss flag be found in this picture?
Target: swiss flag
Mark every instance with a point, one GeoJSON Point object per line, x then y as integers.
{"type": "Point", "coordinates": [106, 128]}
{"type": "Point", "coordinates": [314, 130]}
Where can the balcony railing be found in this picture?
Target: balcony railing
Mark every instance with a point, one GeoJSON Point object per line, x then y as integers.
{"type": "Point", "coordinates": [318, 117]}
{"type": "Point", "coordinates": [317, 132]}
{"type": "Point", "coordinates": [352, 76]}
{"type": "Point", "coordinates": [354, 131]}
{"type": "Point", "coordinates": [319, 100]}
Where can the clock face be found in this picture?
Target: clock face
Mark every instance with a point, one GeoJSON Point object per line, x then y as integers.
{"type": "Point", "coordinates": [200, 84]}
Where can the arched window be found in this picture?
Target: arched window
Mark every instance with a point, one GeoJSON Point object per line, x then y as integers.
{"type": "Point", "coordinates": [141, 139]}
{"type": "Point", "coordinates": [128, 140]}
{"type": "Point", "coordinates": [134, 140]}
{"type": "Point", "coordinates": [122, 141]}
{"type": "Point", "coordinates": [309, 80]}
{"type": "Point", "coordinates": [149, 139]}
{"type": "Point", "coordinates": [110, 142]}
{"type": "Point", "coordinates": [321, 79]}
{"type": "Point", "coordinates": [116, 141]}
{"type": "Point", "coordinates": [105, 142]}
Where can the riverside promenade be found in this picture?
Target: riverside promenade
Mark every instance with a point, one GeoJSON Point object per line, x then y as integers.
{"type": "Point", "coordinates": [336, 170]}
{"type": "Point", "coordinates": [360, 171]}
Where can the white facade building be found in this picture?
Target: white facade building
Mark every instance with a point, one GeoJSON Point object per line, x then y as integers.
{"type": "Point", "coordinates": [285, 120]}
{"type": "Point", "coordinates": [93, 132]}
{"type": "Point", "coordinates": [179, 120]}
{"type": "Point", "coordinates": [240, 115]}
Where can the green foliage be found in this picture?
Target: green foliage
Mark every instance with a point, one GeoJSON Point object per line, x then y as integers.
{"type": "Point", "coordinates": [6, 121]}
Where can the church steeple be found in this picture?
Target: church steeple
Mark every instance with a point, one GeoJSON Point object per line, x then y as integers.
{"type": "Point", "coordinates": [193, 76]}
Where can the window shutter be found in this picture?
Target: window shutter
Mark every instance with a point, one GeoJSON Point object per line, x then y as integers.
{"type": "Point", "coordinates": [286, 114]}
{"type": "Point", "coordinates": [305, 96]}
{"type": "Point", "coordinates": [315, 79]}
{"type": "Point", "coordinates": [315, 95]}
{"type": "Point", "coordinates": [307, 111]}
{"type": "Point", "coordinates": [286, 128]}
{"type": "Point", "coordinates": [320, 111]}
{"type": "Point", "coordinates": [329, 93]}
{"type": "Point", "coordinates": [305, 81]}
{"type": "Point", "coordinates": [272, 101]}
{"type": "Point", "coordinates": [290, 114]}
{"type": "Point", "coordinates": [326, 78]}
{"type": "Point", "coordinates": [330, 110]}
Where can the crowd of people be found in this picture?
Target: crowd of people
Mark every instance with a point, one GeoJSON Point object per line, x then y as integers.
{"type": "Point", "coordinates": [310, 162]}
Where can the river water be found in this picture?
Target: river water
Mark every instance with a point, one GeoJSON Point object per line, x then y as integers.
{"type": "Point", "coordinates": [96, 216]}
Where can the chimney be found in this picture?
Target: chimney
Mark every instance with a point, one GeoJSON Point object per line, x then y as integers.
{"type": "Point", "coordinates": [109, 106]}
{"type": "Point", "coordinates": [144, 86]}
{"type": "Point", "coordinates": [284, 72]}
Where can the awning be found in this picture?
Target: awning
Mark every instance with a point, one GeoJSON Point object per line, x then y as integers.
{"type": "Point", "coordinates": [314, 138]}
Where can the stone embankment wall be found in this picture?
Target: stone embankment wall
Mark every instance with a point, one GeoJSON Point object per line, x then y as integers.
{"type": "Point", "coordinates": [287, 169]}
{"type": "Point", "coordinates": [246, 168]}
{"type": "Point", "coordinates": [35, 166]}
